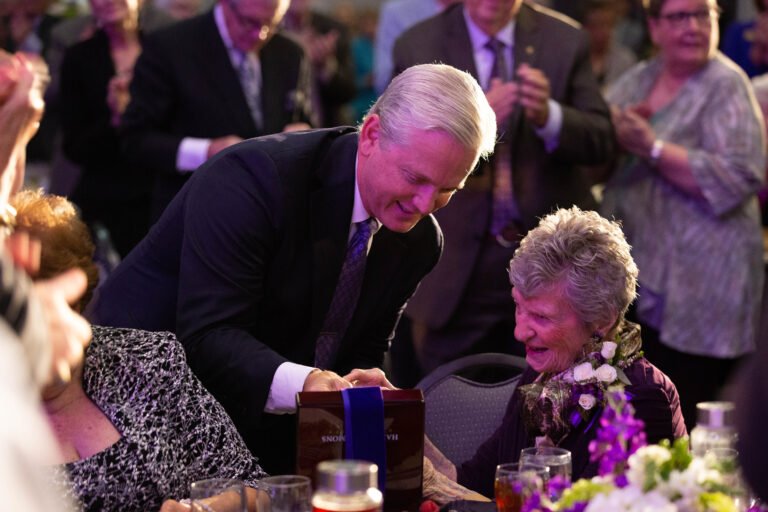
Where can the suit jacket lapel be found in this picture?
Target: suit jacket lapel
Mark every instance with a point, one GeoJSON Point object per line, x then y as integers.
{"type": "Point", "coordinates": [457, 49]}
{"type": "Point", "coordinates": [331, 211]}
{"type": "Point", "coordinates": [222, 77]}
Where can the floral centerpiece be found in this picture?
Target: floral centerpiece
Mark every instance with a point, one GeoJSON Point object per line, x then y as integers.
{"type": "Point", "coordinates": [634, 476]}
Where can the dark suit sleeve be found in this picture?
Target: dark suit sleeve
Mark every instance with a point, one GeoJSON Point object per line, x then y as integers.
{"type": "Point", "coordinates": [231, 230]}
{"type": "Point", "coordinates": [147, 137]}
{"type": "Point", "coordinates": [586, 136]}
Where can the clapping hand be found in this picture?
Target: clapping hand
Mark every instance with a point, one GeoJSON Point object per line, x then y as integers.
{"type": "Point", "coordinates": [502, 97]}
{"type": "Point", "coordinates": [533, 94]}
{"type": "Point", "coordinates": [633, 131]}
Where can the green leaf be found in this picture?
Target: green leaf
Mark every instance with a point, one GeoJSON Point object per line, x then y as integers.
{"type": "Point", "coordinates": [622, 376]}
{"type": "Point", "coordinates": [717, 502]}
{"type": "Point", "coordinates": [582, 491]}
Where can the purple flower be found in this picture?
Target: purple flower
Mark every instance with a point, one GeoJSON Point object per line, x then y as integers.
{"type": "Point", "coordinates": [619, 436]}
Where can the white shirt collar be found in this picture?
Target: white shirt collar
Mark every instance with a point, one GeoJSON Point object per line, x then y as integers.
{"type": "Point", "coordinates": [479, 38]}
{"type": "Point", "coordinates": [359, 213]}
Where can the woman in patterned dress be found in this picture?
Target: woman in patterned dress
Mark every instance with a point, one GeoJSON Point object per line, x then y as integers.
{"type": "Point", "coordinates": [686, 193]}
{"type": "Point", "coordinates": [135, 426]}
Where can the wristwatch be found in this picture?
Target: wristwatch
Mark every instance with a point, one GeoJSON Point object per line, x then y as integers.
{"type": "Point", "coordinates": [656, 149]}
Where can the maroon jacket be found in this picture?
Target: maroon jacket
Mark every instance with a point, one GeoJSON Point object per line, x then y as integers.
{"type": "Point", "coordinates": [652, 394]}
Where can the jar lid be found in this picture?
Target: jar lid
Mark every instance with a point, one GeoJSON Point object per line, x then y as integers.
{"type": "Point", "coordinates": [715, 414]}
{"type": "Point", "coordinates": [347, 476]}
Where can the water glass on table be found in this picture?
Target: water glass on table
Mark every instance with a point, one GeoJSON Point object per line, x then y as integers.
{"type": "Point", "coordinates": [285, 493]}
{"type": "Point", "coordinates": [218, 495]}
{"type": "Point", "coordinates": [515, 482]}
{"type": "Point", "coordinates": [558, 460]}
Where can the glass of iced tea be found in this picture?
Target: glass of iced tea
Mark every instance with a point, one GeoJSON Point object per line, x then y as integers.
{"type": "Point", "coordinates": [516, 482]}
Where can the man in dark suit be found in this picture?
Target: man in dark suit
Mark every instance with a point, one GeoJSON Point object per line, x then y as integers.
{"type": "Point", "coordinates": [247, 262]}
{"type": "Point", "coordinates": [208, 82]}
{"type": "Point", "coordinates": [551, 119]}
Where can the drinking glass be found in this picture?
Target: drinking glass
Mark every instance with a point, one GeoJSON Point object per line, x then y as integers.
{"type": "Point", "coordinates": [726, 461]}
{"type": "Point", "coordinates": [558, 460]}
{"type": "Point", "coordinates": [515, 483]}
{"type": "Point", "coordinates": [285, 493]}
{"type": "Point", "coordinates": [218, 495]}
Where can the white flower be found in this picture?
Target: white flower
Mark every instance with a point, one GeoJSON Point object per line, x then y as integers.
{"type": "Point", "coordinates": [583, 372]}
{"type": "Point", "coordinates": [608, 350]}
{"type": "Point", "coordinates": [630, 499]}
{"type": "Point", "coordinates": [639, 461]}
{"type": "Point", "coordinates": [606, 373]}
{"type": "Point", "coordinates": [587, 401]}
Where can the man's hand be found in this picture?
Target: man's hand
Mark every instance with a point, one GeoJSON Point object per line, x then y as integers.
{"type": "Point", "coordinates": [325, 380]}
{"type": "Point", "coordinates": [533, 94]}
{"type": "Point", "coordinates": [502, 96]}
{"type": "Point", "coordinates": [369, 377]}
{"type": "Point", "coordinates": [68, 332]}
{"type": "Point", "coordinates": [222, 143]}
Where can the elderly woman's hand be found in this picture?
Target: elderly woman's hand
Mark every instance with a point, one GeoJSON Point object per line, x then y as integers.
{"type": "Point", "coordinates": [175, 506]}
{"type": "Point", "coordinates": [633, 131]}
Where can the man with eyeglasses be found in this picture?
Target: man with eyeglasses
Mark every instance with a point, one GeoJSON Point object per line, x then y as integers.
{"type": "Point", "coordinates": [206, 83]}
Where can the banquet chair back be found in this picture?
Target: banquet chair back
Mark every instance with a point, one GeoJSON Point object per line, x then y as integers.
{"type": "Point", "coordinates": [461, 411]}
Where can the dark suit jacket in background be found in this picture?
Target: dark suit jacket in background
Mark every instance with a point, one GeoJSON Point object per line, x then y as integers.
{"type": "Point", "coordinates": [184, 85]}
{"type": "Point", "coordinates": [249, 254]}
{"type": "Point", "coordinates": [542, 181]}
{"type": "Point", "coordinates": [652, 394]}
{"type": "Point", "coordinates": [340, 89]}
{"type": "Point", "coordinates": [110, 190]}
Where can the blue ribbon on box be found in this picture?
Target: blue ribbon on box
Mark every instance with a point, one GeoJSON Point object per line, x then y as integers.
{"type": "Point", "coordinates": [364, 427]}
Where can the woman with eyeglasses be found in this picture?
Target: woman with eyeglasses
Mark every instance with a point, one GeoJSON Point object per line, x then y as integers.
{"type": "Point", "coordinates": [685, 189]}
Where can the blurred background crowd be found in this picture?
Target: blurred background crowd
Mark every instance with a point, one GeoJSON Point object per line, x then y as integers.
{"type": "Point", "coordinates": [657, 130]}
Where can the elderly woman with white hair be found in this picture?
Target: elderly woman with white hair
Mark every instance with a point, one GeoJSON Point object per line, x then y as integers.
{"type": "Point", "coordinates": [573, 279]}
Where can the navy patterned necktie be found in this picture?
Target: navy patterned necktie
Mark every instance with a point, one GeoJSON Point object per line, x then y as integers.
{"type": "Point", "coordinates": [504, 210]}
{"type": "Point", "coordinates": [345, 296]}
{"type": "Point", "coordinates": [499, 68]}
